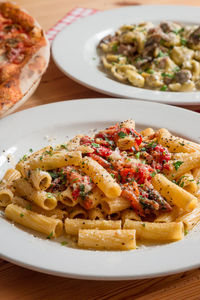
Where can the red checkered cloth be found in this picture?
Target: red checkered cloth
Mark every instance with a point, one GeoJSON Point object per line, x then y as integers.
{"type": "Point", "coordinates": [70, 17]}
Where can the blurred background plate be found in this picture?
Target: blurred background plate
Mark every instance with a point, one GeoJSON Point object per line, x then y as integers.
{"type": "Point", "coordinates": [75, 50]}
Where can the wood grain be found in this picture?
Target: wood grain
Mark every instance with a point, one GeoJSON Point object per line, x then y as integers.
{"type": "Point", "coordinates": [19, 283]}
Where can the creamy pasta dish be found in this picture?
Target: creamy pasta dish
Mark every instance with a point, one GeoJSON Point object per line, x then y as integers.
{"type": "Point", "coordinates": [163, 57]}
{"type": "Point", "coordinates": [110, 190]}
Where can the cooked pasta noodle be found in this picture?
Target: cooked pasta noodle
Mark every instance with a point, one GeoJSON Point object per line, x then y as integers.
{"type": "Point", "coordinates": [108, 190]}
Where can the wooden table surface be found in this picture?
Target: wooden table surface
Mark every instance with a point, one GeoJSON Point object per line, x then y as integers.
{"type": "Point", "coordinates": [23, 284]}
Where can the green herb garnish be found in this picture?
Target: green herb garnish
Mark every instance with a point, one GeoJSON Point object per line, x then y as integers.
{"type": "Point", "coordinates": [64, 243]}
{"type": "Point", "coordinates": [153, 174]}
{"type": "Point", "coordinates": [177, 164]}
{"type": "Point", "coordinates": [121, 134]}
{"type": "Point", "coordinates": [150, 71]}
{"type": "Point", "coordinates": [115, 48]}
{"type": "Point", "coordinates": [163, 88]}
{"type": "Point", "coordinates": [137, 155]}
{"type": "Point", "coordinates": [95, 145]}
{"type": "Point", "coordinates": [50, 235]}
{"type": "Point", "coordinates": [183, 42]}
{"type": "Point", "coordinates": [162, 54]}
{"type": "Point", "coordinates": [167, 75]}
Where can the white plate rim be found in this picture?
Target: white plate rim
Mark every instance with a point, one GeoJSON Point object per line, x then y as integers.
{"type": "Point", "coordinates": [187, 258]}
{"type": "Point", "coordinates": [69, 52]}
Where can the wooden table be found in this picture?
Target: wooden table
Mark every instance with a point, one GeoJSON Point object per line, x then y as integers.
{"type": "Point", "coordinates": [23, 284]}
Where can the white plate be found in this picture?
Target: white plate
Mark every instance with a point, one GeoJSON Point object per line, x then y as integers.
{"type": "Point", "coordinates": [62, 119]}
{"type": "Point", "coordinates": [74, 50]}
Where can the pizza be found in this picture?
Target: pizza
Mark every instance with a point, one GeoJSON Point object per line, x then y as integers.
{"type": "Point", "coordinates": [24, 55]}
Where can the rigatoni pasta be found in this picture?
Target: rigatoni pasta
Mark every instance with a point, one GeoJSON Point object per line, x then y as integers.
{"type": "Point", "coordinates": [108, 190]}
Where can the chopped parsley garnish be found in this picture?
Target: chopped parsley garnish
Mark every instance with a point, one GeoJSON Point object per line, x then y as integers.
{"type": "Point", "coordinates": [143, 224]}
{"type": "Point", "coordinates": [95, 145]}
{"type": "Point", "coordinates": [137, 155]}
{"type": "Point", "coordinates": [40, 157]}
{"type": "Point", "coordinates": [182, 144]}
{"type": "Point", "coordinates": [21, 215]}
{"type": "Point", "coordinates": [29, 207]}
{"type": "Point", "coordinates": [49, 195]}
{"type": "Point", "coordinates": [153, 174]}
{"type": "Point", "coordinates": [49, 152]}
{"type": "Point", "coordinates": [176, 69]}
{"type": "Point", "coordinates": [177, 31]}
{"type": "Point", "coordinates": [82, 188]}
{"type": "Point", "coordinates": [24, 157]}
{"type": "Point", "coordinates": [152, 145]}
{"type": "Point", "coordinates": [181, 184]}
{"type": "Point", "coordinates": [75, 179]}
{"type": "Point", "coordinates": [162, 54]}
{"type": "Point", "coordinates": [63, 146]}
{"type": "Point", "coordinates": [186, 232]}
{"type": "Point", "coordinates": [177, 164]}
{"type": "Point", "coordinates": [50, 235]}
{"type": "Point", "coordinates": [30, 150]}
{"type": "Point", "coordinates": [167, 75]}
{"type": "Point", "coordinates": [64, 243]}
{"type": "Point", "coordinates": [183, 42]}
{"type": "Point", "coordinates": [53, 174]}
{"type": "Point", "coordinates": [138, 59]}
{"type": "Point", "coordinates": [121, 134]}
{"type": "Point", "coordinates": [163, 88]}
{"type": "Point", "coordinates": [113, 176]}
{"type": "Point", "coordinates": [115, 48]}
{"type": "Point", "coordinates": [150, 71]}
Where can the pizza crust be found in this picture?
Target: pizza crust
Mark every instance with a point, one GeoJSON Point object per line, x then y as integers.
{"type": "Point", "coordinates": [28, 78]}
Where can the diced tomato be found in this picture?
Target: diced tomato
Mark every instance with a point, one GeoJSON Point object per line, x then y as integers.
{"type": "Point", "coordinates": [85, 140]}
{"type": "Point", "coordinates": [143, 173]}
{"type": "Point", "coordinates": [102, 151]}
{"type": "Point", "coordinates": [127, 174]}
{"type": "Point", "coordinates": [75, 194]}
{"type": "Point", "coordinates": [87, 203]}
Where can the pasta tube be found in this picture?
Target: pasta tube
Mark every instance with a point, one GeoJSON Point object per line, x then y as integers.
{"type": "Point", "coordinates": [6, 196]}
{"type": "Point", "coordinates": [107, 239]}
{"type": "Point", "coordinates": [156, 231]}
{"type": "Point", "coordinates": [78, 212]}
{"type": "Point", "coordinates": [41, 180]}
{"type": "Point", "coordinates": [56, 160]}
{"type": "Point", "coordinates": [101, 177]}
{"type": "Point", "coordinates": [147, 132]}
{"type": "Point", "coordinates": [111, 206]}
{"type": "Point", "coordinates": [185, 163]}
{"type": "Point", "coordinates": [72, 226]}
{"type": "Point", "coordinates": [95, 214]}
{"type": "Point", "coordinates": [190, 219]}
{"type": "Point", "coordinates": [129, 214]}
{"type": "Point", "coordinates": [66, 197]}
{"type": "Point", "coordinates": [55, 213]}
{"type": "Point", "coordinates": [32, 220]}
{"type": "Point", "coordinates": [176, 144]}
{"type": "Point", "coordinates": [173, 193]}
{"type": "Point", "coordinates": [168, 217]}
{"type": "Point", "coordinates": [10, 176]}
{"type": "Point", "coordinates": [41, 198]}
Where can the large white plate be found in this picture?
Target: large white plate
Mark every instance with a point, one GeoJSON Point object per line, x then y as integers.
{"type": "Point", "coordinates": [29, 129]}
{"type": "Point", "coordinates": [74, 50]}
